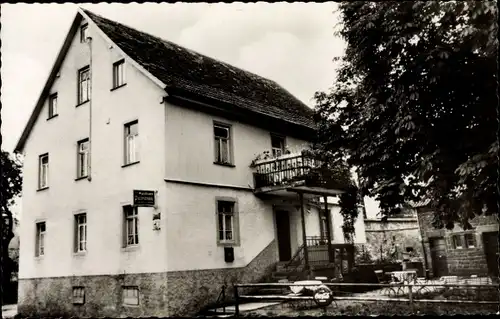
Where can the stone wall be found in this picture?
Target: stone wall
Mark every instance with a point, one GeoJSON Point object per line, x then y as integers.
{"type": "Point", "coordinates": [190, 291]}
{"type": "Point", "coordinates": [461, 262]}
{"type": "Point", "coordinates": [161, 294]}
{"type": "Point", "coordinates": [380, 237]}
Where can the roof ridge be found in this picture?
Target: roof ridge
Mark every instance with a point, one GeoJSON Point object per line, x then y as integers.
{"type": "Point", "coordinates": [188, 49]}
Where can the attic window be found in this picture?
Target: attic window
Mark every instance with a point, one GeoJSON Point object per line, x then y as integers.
{"type": "Point", "coordinates": [118, 74]}
{"type": "Point", "coordinates": [84, 33]}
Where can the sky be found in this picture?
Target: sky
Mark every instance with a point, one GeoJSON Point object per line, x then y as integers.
{"type": "Point", "coordinates": [290, 43]}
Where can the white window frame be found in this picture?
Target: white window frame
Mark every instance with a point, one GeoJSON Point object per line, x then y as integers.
{"type": "Point", "coordinates": [43, 171]}
{"type": "Point", "coordinates": [218, 141]}
{"type": "Point", "coordinates": [130, 295]}
{"type": "Point", "coordinates": [81, 232]}
{"type": "Point", "coordinates": [83, 158]}
{"type": "Point", "coordinates": [84, 33]}
{"type": "Point", "coordinates": [278, 151]}
{"type": "Point", "coordinates": [40, 239]}
{"type": "Point", "coordinates": [131, 143]}
{"type": "Point", "coordinates": [223, 226]}
{"type": "Point", "coordinates": [52, 105]}
{"type": "Point", "coordinates": [455, 239]}
{"type": "Point", "coordinates": [131, 217]}
{"type": "Point", "coordinates": [78, 295]}
{"type": "Point", "coordinates": [466, 242]}
{"type": "Point", "coordinates": [84, 85]}
{"type": "Point", "coordinates": [119, 74]}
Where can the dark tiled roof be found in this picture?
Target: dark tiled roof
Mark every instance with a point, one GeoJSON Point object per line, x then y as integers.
{"type": "Point", "coordinates": [190, 71]}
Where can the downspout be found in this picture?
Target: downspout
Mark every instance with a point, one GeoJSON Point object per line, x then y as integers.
{"type": "Point", "coordinates": [426, 275]}
{"type": "Point", "coordinates": [89, 159]}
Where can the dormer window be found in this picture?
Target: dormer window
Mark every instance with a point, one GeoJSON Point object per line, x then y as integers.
{"type": "Point", "coordinates": [84, 33]}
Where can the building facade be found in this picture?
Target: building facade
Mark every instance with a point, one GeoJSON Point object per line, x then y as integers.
{"type": "Point", "coordinates": [460, 252]}
{"type": "Point", "coordinates": [114, 119]}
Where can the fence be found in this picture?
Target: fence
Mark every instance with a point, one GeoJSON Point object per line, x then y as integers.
{"type": "Point", "coordinates": [411, 293]}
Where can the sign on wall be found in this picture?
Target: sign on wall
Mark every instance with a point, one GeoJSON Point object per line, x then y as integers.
{"type": "Point", "coordinates": [144, 198]}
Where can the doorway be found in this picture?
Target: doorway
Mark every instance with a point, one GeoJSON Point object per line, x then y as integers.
{"type": "Point", "coordinates": [283, 235]}
{"type": "Point", "coordinates": [490, 243]}
{"type": "Point", "coordinates": [438, 256]}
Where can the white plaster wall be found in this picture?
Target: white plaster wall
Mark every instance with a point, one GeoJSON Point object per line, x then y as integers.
{"type": "Point", "coordinates": [111, 185]}
{"type": "Point", "coordinates": [190, 145]}
{"type": "Point", "coordinates": [337, 222]}
{"type": "Point", "coordinates": [192, 230]}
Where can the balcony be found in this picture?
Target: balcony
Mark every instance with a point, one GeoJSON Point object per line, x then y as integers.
{"type": "Point", "coordinates": [275, 176]}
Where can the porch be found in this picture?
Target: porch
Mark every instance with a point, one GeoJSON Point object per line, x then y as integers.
{"type": "Point", "coordinates": [302, 179]}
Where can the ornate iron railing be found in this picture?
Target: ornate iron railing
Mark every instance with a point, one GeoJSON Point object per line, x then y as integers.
{"type": "Point", "coordinates": [284, 170]}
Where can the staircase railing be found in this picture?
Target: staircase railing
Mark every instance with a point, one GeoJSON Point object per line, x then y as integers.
{"type": "Point", "coordinates": [222, 295]}
{"type": "Point", "coordinates": [296, 260]}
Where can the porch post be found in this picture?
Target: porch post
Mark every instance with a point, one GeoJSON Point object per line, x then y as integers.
{"type": "Point", "coordinates": [328, 231]}
{"type": "Point", "coordinates": [306, 254]}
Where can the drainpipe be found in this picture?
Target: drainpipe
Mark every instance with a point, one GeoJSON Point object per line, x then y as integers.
{"type": "Point", "coordinates": [89, 177]}
{"type": "Point", "coordinates": [420, 230]}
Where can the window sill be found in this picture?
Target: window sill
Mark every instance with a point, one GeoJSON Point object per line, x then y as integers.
{"type": "Point", "coordinates": [119, 86]}
{"type": "Point", "coordinates": [228, 244]}
{"type": "Point", "coordinates": [130, 248]}
{"type": "Point", "coordinates": [130, 164]}
{"type": "Point", "coordinates": [131, 306]}
{"type": "Point", "coordinates": [81, 103]}
{"type": "Point", "coordinates": [82, 177]}
{"type": "Point", "coordinates": [39, 257]}
{"type": "Point", "coordinates": [80, 254]}
{"type": "Point", "coordinates": [42, 189]}
{"type": "Point", "coordinates": [51, 117]}
{"type": "Point", "coordinates": [224, 164]}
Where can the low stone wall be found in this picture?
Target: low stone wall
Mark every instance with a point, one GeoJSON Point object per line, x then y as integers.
{"type": "Point", "coordinates": [381, 236]}
{"type": "Point", "coordinates": [179, 293]}
{"type": "Point", "coordinates": [190, 291]}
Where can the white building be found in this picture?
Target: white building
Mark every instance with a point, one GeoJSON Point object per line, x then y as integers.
{"type": "Point", "coordinates": [122, 111]}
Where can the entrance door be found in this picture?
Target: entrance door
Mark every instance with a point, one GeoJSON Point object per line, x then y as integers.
{"type": "Point", "coordinates": [438, 255]}
{"type": "Point", "coordinates": [283, 229]}
{"type": "Point", "coordinates": [490, 243]}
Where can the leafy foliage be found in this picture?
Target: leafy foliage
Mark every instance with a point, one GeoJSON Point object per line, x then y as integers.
{"type": "Point", "coordinates": [10, 188]}
{"type": "Point", "coordinates": [414, 106]}
{"type": "Point", "coordinates": [335, 173]}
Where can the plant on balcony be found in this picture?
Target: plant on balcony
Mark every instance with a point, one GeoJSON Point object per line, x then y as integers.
{"type": "Point", "coordinates": [262, 156]}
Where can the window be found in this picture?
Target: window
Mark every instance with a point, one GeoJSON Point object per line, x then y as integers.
{"type": "Point", "coordinates": [43, 171]}
{"type": "Point", "coordinates": [118, 74]}
{"type": "Point", "coordinates": [131, 226]}
{"type": "Point", "coordinates": [323, 225]}
{"type": "Point", "coordinates": [226, 221]}
{"type": "Point", "coordinates": [83, 158]}
{"type": "Point", "coordinates": [277, 145]}
{"type": "Point", "coordinates": [470, 240]}
{"type": "Point", "coordinates": [222, 136]}
{"type": "Point", "coordinates": [84, 85]}
{"type": "Point", "coordinates": [457, 241]}
{"type": "Point", "coordinates": [80, 233]}
{"type": "Point", "coordinates": [131, 142]}
{"type": "Point", "coordinates": [53, 105]}
{"type": "Point", "coordinates": [78, 295]}
{"type": "Point", "coordinates": [84, 33]}
{"type": "Point", "coordinates": [40, 239]}
{"type": "Point", "coordinates": [130, 295]}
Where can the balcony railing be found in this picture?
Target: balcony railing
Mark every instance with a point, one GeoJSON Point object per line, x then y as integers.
{"type": "Point", "coordinates": [283, 170]}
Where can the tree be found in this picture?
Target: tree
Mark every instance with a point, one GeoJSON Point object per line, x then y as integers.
{"type": "Point", "coordinates": [414, 106]}
{"type": "Point", "coordinates": [10, 188]}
